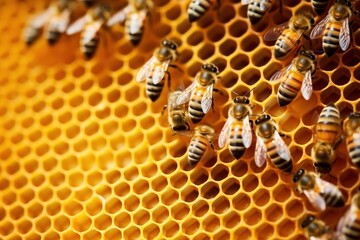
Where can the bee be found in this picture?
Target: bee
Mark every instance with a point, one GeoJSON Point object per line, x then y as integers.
{"type": "Point", "coordinates": [156, 67]}
{"type": "Point", "coordinates": [177, 115]}
{"type": "Point", "coordinates": [256, 9]}
{"type": "Point", "coordinates": [56, 19]}
{"type": "Point", "coordinates": [237, 129]}
{"type": "Point", "coordinates": [316, 229]}
{"type": "Point", "coordinates": [89, 3]}
{"type": "Point", "coordinates": [352, 134]}
{"type": "Point", "coordinates": [296, 76]}
{"type": "Point", "coordinates": [199, 93]}
{"type": "Point", "coordinates": [200, 142]}
{"type": "Point", "coordinates": [287, 35]}
{"type": "Point", "coordinates": [270, 143]}
{"type": "Point", "coordinates": [349, 224]}
{"type": "Point", "coordinates": [319, 5]}
{"type": "Point", "coordinates": [319, 192]}
{"type": "Point", "coordinates": [90, 25]}
{"type": "Point", "coordinates": [134, 16]}
{"type": "Point", "coordinates": [198, 8]}
{"type": "Point", "coordinates": [327, 133]}
{"type": "Point", "coordinates": [334, 28]}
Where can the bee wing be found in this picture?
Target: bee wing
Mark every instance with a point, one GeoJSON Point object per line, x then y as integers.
{"type": "Point", "coordinates": [77, 26]}
{"type": "Point", "coordinates": [319, 28]}
{"type": "Point", "coordinates": [315, 199]}
{"type": "Point", "coordinates": [61, 21]}
{"type": "Point", "coordinates": [344, 39]}
{"type": "Point", "coordinates": [306, 87]}
{"type": "Point", "coordinates": [246, 2]}
{"type": "Point", "coordinates": [260, 152]}
{"type": "Point", "coordinates": [120, 16]}
{"type": "Point", "coordinates": [137, 21]}
{"type": "Point", "coordinates": [186, 94]}
{"type": "Point", "coordinates": [265, 4]}
{"type": "Point", "coordinates": [206, 100]}
{"type": "Point", "coordinates": [281, 147]}
{"type": "Point", "coordinates": [325, 186]}
{"type": "Point", "coordinates": [349, 216]}
{"type": "Point", "coordinates": [246, 132]}
{"type": "Point", "coordinates": [91, 30]}
{"type": "Point", "coordinates": [275, 32]}
{"type": "Point", "coordinates": [41, 19]}
{"type": "Point", "coordinates": [279, 74]}
{"type": "Point", "coordinates": [224, 134]}
{"type": "Point", "coordinates": [159, 71]}
{"type": "Point", "coordinates": [146, 69]}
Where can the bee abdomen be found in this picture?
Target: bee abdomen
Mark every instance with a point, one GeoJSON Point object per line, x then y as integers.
{"type": "Point", "coordinates": [197, 9]}
{"type": "Point", "coordinates": [53, 36]}
{"type": "Point", "coordinates": [255, 12]}
{"type": "Point", "coordinates": [196, 113]}
{"type": "Point", "coordinates": [319, 5]}
{"type": "Point", "coordinates": [333, 199]}
{"type": "Point", "coordinates": [284, 43]}
{"type": "Point", "coordinates": [328, 126]}
{"type": "Point", "coordinates": [352, 230]}
{"type": "Point", "coordinates": [31, 34]}
{"type": "Point", "coordinates": [236, 145]}
{"type": "Point", "coordinates": [331, 38]}
{"type": "Point", "coordinates": [153, 91]}
{"type": "Point", "coordinates": [89, 48]}
{"type": "Point", "coordinates": [353, 146]}
{"type": "Point", "coordinates": [288, 89]}
{"type": "Point", "coordinates": [196, 150]}
{"type": "Point", "coordinates": [282, 164]}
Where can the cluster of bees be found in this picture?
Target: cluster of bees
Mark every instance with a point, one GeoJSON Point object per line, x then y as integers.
{"type": "Point", "coordinates": [194, 102]}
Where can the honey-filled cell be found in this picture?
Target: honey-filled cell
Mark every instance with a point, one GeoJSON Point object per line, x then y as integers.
{"type": "Point", "coordinates": [85, 154]}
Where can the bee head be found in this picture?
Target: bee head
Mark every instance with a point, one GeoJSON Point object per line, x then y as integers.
{"type": "Point", "coordinates": [263, 118]}
{"type": "Point", "coordinates": [209, 67]}
{"type": "Point", "coordinates": [241, 99]}
{"type": "Point", "coordinates": [354, 115]}
{"type": "Point", "coordinates": [307, 221]}
{"type": "Point", "coordinates": [308, 54]}
{"type": "Point", "coordinates": [298, 175]}
{"type": "Point", "coordinates": [169, 44]}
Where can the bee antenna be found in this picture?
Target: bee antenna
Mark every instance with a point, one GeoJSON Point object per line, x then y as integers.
{"type": "Point", "coordinates": [249, 91]}
{"type": "Point", "coordinates": [266, 107]}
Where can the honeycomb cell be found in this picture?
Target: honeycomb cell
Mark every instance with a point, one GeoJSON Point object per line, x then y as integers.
{"type": "Point", "coordinates": [273, 213]}
{"type": "Point", "coordinates": [252, 217]}
{"type": "Point", "coordinates": [351, 91]}
{"type": "Point", "coordinates": [170, 229]}
{"type": "Point", "coordinates": [160, 214]}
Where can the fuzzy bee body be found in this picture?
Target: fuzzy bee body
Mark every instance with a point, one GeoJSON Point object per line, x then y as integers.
{"type": "Point", "coordinates": [352, 134]}
{"type": "Point", "coordinates": [349, 224]}
{"type": "Point", "coordinates": [319, 5]}
{"type": "Point", "coordinates": [199, 143]}
{"type": "Point", "coordinates": [316, 229]}
{"type": "Point", "coordinates": [257, 9]}
{"type": "Point", "coordinates": [177, 115]}
{"type": "Point", "coordinates": [198, 8]}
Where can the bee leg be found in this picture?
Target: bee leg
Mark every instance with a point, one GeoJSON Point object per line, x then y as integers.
{"type": "Point", "coordinates": [219, 91]}
{"type": "Point", "coordinates": [162, 112]}
{"type": "Point", "coordinates": [168, 79]}
{"type": "Point", "coordinates": [283, 135]}
{"type": "Point", "coordinates": [177, 67]}
{"type": "Point", "coordinates": [211, 145]}
{"type": "Point", "coordinates": [339, 141]}
{"type": "Point", "coordinates": [251, 123]}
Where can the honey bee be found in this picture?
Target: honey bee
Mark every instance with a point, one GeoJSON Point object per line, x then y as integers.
{"type": "Point", "coordinates": [352, 134]}
{"type": "Point", "coordinates": [198, 8]}
{"type": "Point", "coordinates": [237, 129]}
{"type": "Point", "coordinates": [89, 3]}
{"type": "Point", "coordinates": [256, 9]}
{"type": "Point", "coordinates": [200, 142]}
{"type": "Point", "coordinates": [177, 115]}
{"type": "Point", "coordinates": [287, 35]}
{"type": "Point", "coordinates": [326, 137]}
{"type": "Point", "coordinates": [319, 5]}
{"type": "Point", "coordinates": [134, 16]}
{"type": "Point", "coordinates": [90, 25]}
{"type": "Point", "coordinates": [56, 19]}
{"type": "Point", "coordinates": [156, 67]}
{"type": "Point", "coordinates": [319, 192]}
{"type": "Point", "coordinates": [270, 143]}
{"type": "Point", "coordinates": [295, 76]}
{"type": "Point", "coordinates": [334, 28]}
{"type": "Point", "coordinates": [349, 224]}
{"type": "Point", "coordinates": [316, 229]}
{"type": "Point", "coordinates": [199, 93]}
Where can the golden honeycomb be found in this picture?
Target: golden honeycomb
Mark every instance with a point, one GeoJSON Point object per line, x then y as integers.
{"type": "Point", "coordinates": [84, 154]}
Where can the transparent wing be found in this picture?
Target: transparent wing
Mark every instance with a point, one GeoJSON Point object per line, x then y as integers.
{"type": "Point", "coordinates": [91, 29]}
{"type": "Point", "coordinates": [246, 2]}
{"type": "Point", "coordinates": [61, 21]}
{"type": "Point", "coordinates": [186, 94]}
{"type": "Point", "coordinates": [260, 152]}
{"type": "Point", "coordinates": [206, 100]}
{"type": "Point", "coordinates": [319, 28]}
{"type": "Point", "coordinates": [265, 5]}
{"type": "Point", "coordinates": [224, 134]}
{"type": "Point", "coordinates": [246, 132]}
{"type": "Point", "coordinates": [275, 32]}
{"type": "Point", "coordinates": [344, 39]}
{"type": "Point", "coordinates": [315, 199]}
{"type": "Point", "coordinates": [280, 74]}
{"type": "Point", "coordinates": [326, 185]}
{"type": "Point", "coordinates": [159, 71]}
{"type": "Point", "coordinates": [77, 26]}
{"type": "Point", "coordinates": [281, 147]}
{"type": "Point", "coordinates": [41, 19]}
{"type": "Point", "coordinates": [136, 21]}
{"type": "Point", "coordinates": [120, 16]}
{"type": "Point", "coordinates": [306, 87]}
{"type": "Point", "coordinates": [146, 69]}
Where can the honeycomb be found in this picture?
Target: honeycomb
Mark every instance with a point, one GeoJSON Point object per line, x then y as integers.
{"type": "Point", "coordinates": [84, 154]}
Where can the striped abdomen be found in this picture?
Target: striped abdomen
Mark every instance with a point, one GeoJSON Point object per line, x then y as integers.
{"type": "Point", "coordinates": [52, 36]}
{"type": "Point", "coordinates": [153, 91]}
{"type": "Point", "coordinates": [31, 34]}
{"type": "Point", "coordinates": [197, 148]}
{"type": "Point", "coordinates": [353, 147]}
{"type": "Point", "coordinates": [333, 197]}
{"type": "Point", "coordinates": [282, 164]}
{"type": "Point", "coordinates": [286, 42]}
{"type": "Point", "coordinates": [328, 126]}
{"type": "Point", "coordinates": [197, 9]}
{"type": "Point", "coordinates": [319, 5]}
{"type": "Point", "coordinates": [289, 87]}
{"type": "Point", "coordinates": [351, 229]}
{"type": "Point", "coordinates": [331, 37]}
{"type": "Point", "coordinates": [236, 145]}
{"type": "Point", "coordinates": [255, 12]}
{"type": "Point", "coordinates": [134, 26]}
{"type": "Point", "coordinates": [196, 113]}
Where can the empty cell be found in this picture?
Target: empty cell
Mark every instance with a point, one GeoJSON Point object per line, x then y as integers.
{"type": "Point", "coordinates": [238, 28]}
{"type": "Point", "coordinates": [264, 231]}
{"type": "Point", "coordinates": [221, 205]}
{"type": "Point", "coordinates": [250, 183]}
{"type": "Point", "coordinates": [189, 194]}
{"type": "Point", "coordinates": [170, 229]}
{"type": "Point", "coordinates": [230, 186]}
{"type": "Point", "coordinates": [329, 63]}
{"type": "Point", "coordinates": [252, 216]}
{"type": "Point", "coordinates": [91, 128]}
{"type": "Point", "coordinates": [261, 197]}
{"type": "Point", "coordinates": [262, 91]}
{"type": "Point", "coordinates": [9, 198]}
{"type": "Point", "coordinates": [241, 201]}
{"type": "Point", "coordinates": [70, 234]}
{"type": "Point", "coordinates": [190, 226]}
{"type": "Point", "coordinates": [65, 117]}
{"type": "Point", "coordinates": [231, 219]}
{"type": "Point", "coordinates": [34, 210]}
{"type": "Point", "coordinates": [141, 186]}
{"type": "Point", "coordinates": [102, 222]}
{"type": "Point", "coordinates": [211, 223]}
{"type": "Point", "coordinates": [61, 223]}
{"type": "Point", "coordinates": [178, 150]}
{"type": "Point", "coordinates": [349, 177]}
{"type": "Point", "coordinates": [294, 208]}
{"type": "Point", "coordinates": [303, 135]}
{"type": "Point", "coordinates": [286, 228]}
{"type": "Point", "coordinates": [195, 38]}
{"type": "Point", "coordinates": [53, 208]}
{"type": "Point", "coordinates": [209, 190]}
{"type": "Point", "coordinates": [228, 47]}
{"type": "Point", "coordinates": [345, 109]}
{"type": "Point", "coordinates": [200, 208]}
{"type": "Point", "coordinates": [229, 79]}
{"type": "Point", "coordinates": [2, 214]}
{"type": "Point", "coordinates": [281, 193]}
{"type": "Point", "coordinates": [206, 51]}
{"type": "Point", "coordinates": [105, 81]}
{"type": "Point", "coordinates": [84, 194]}
{"type": "Point", "coordinates": [250, 76]}
{"type": "Point", "coordinates": [222, 234]}
{"type": "Point", "coordinates": [112, 176]}
{"type": "Point", "coordinates": [341, 76]}
{"type": "Point", "coordinates": [23, 226]}
{"type": "Point", "coordinates": [72, 207]}
{"type": "Point", "coordinates": [83, 115]}
{"type": "Point", "coordinates": [271, 69]}
{"type": "Point", "coordinates": [94, 178]}
{"type": "Point", "coordinates": [131, 173]}
{"type": "Point", "coordinates": [178, 180]}
{"type": "Point", "coordinates": [113, 233]}
{"type": "Point", "coordinates": [42, 224]}
{"type": "Point", "coordinates": [135, 139]}
{"type": "Point", "coordinates": [16, 212]}
{"type": "Point", "coordinates": [288, 123]}
{"type": "Point", "coordinates": [273, 213]}
{"type": "Point", "coordinates": [6, 228]}
{"type": "Point", "coordinates": [106, 160]}
{"type": "Point", "coordinates": [122, 220]}
{"type": "Point", "coordinates": [150, 200]}
{"type": "Point", "coordinates": [149, 170]}
{"type": "Point", "coordinates": [159, 183]}
{"type": "Point", "coordinates": [219, 172]}
{"type": "Point", "coordinates": [269, 178]}
{"type": "Point", "coordinates": [132, 94]}
{"type": "Point", "coordinates": [239, 62]}
{"type": "Point", "coordinates": [261, 57]}
{"type": "Point", "coordinates": [151, 231]}
{"type": "Point", "coordinates": [216, 33]}
{"type": "Point", "coordinates": [352, 91]}
{"type": "Point", "coordinates": [76, 179]}
{"type": "Point", "coordinates": [131, 203]}
{"type": "Point", "coordinates": [132, 233]}
{"type": "Point", "coordinates": [249, 43]}
{"type": "Point", "coordinates": [92, 234]}
{"type": "Point", "coordinates": [173, 13]}
{"type": "Point", "coordinates": [169, 197]}
{"type": "Point", "coordinates": [209, 162]}
{"type": "Point", "coordinates": [239, 169]}
{"type": "Point", "coordinates": [200, 236]}
{"type": "Point", "coordinates": [351, 57]}
{"type": "Point", "coordinates": [168, 166]}
{"type": "Point", "coordinates": [118, 142]}
{"type": "Point", "coordinates": [160, 214]}
{"type": "Point", "coordinates": [141, 217]}
{"type": "Point", "coordinates": [113, 95]}
{"type": "Point", "coordinates": [330, 95]}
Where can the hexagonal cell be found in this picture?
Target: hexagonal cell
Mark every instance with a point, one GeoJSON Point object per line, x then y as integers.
{"type": "Point", "coordinates": [122, 220]}
{"type": "Point", "coordinates": [190, 226]}
{"type": "Point", "coordinates": [170, 229]}
{"type": "Point", "coordinates": [160, 214]}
